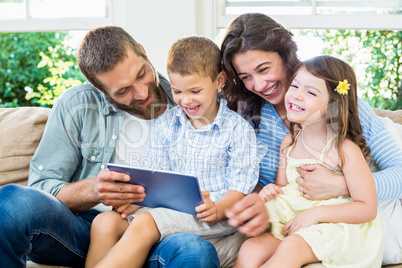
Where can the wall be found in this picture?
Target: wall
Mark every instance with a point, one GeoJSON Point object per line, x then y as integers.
{"type": "Point", "coordinates": [157, 24]}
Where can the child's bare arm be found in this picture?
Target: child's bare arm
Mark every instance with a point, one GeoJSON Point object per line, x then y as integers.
{"type": "Point", "coordinates": [360, 182]}
{"type": "Point", "coordinates": [210, 212]}
{"type": "Point", "coordinates": [281, 179]}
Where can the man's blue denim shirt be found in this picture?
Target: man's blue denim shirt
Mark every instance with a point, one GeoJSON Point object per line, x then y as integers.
{"type": "Point", "coordinates": [80, 138]}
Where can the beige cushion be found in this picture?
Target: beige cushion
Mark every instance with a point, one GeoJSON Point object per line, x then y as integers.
{"type": "Point", "coordinates": [31, 264]}
{"type": "Point", "coordinates": [395, 116]}
{"type": "Point", "coordinates": [21, 131]}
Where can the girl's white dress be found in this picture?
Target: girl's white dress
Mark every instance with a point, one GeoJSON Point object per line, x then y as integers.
{"type": "Point", "coordinates": [334, 244]}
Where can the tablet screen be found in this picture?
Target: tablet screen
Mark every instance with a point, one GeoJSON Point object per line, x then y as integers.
{"type": "Point", "coordinates": [164, 188]}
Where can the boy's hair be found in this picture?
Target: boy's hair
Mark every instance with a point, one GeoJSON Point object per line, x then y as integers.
{"type": "Point", "coordinates": [102, 49]}
{"type": "Point", "coordinates": [342, 111]}
{"type": "Point", "coordinates": [194, 54]}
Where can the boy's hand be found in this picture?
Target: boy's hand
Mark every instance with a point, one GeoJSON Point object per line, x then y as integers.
{"type": "Point", "coordinates": [207, 212]}
{"type": "Point", "coordinates": [126, 209]}
{"type": "Point", "coordinates": [270, 191]}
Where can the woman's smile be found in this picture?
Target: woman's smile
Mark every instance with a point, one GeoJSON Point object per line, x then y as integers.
{"type": "Point", "coordinates": [271, 90]}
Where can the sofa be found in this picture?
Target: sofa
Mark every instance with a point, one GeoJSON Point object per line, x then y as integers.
{"type": "Point", "coordinates": [22, 129]}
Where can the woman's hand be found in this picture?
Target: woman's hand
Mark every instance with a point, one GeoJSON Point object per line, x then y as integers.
{"type": "Point", "coordinates": [318, 182]}
{"type": "Point", "coordinates": [270, 191]}
{"type": "Point", "coordinates": [249, 215]}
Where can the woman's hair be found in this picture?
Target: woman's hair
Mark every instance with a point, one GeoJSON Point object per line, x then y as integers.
{"type": "Point", "coordinates": [195, 54]}
{"type": "Point", "coordinates": [342, 111]}
{"type": "Point", "coordinates": [102, 49]}
{"type": "Point", "coordinates": [254, 31]}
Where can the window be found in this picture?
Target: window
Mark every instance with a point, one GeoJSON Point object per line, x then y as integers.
{"type": "Point", "coordinates": [34, 30]}
{"type": "Point", "coordinates": [364, 33]}
{"type": "Point", "coordinates": [319, 14]}
{"type": "Point", "coordinates": [54, 15]}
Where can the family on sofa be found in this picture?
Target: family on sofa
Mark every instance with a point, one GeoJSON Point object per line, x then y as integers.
{"type": "Point", "coordinates": [110, 118]}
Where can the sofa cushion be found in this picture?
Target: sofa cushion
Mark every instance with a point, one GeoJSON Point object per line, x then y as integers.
{"type": "Point", "coordinates": [21, 131]}
{"type": "Point", "coordinates": [395, 116]}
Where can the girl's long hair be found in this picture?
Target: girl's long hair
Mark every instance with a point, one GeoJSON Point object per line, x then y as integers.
{"type": "Point", "coordinates": [342, 111]}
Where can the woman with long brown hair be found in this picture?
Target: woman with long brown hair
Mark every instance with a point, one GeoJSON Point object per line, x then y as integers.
{"type": "Point", "coordinates": [259, 57]}
{"type": "Point", "coordinates": [321, 103]}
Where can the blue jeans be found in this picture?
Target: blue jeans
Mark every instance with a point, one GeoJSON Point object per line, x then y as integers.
{"type": "Point", "coordinates": [38, 225]}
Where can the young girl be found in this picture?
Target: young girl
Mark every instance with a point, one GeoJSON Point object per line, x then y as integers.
{"type": "Point", "coordinates": [342, 231]}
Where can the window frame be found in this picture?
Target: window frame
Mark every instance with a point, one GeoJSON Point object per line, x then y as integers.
{"type": "Point", "coordinates": [316, 21]}
{"type": "Point", "coordinates": [59, 24]}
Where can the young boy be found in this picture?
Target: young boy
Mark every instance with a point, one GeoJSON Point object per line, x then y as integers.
{"type": "Point", "coordinates": [201, 137]}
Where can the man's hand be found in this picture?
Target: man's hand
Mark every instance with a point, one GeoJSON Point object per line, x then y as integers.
{"type": "Point", "coordinates": [249, 214]}
{"type": "Point", "coordinates": [318, 182]}
{"type": "Point", "coordinates": [110, 190]}
{"type": "Point", "coordinates": [207, 212]}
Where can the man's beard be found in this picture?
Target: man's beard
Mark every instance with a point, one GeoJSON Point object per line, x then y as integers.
{"type": "Point", "coordinates": [145, 112]}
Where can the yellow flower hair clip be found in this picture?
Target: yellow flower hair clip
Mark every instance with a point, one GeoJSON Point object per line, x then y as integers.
{"type": "Point", "coordinates": [343, 87]}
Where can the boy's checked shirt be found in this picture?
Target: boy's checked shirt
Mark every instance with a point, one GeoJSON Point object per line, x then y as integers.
{"type": "Point", "coordinates": [223, 155]}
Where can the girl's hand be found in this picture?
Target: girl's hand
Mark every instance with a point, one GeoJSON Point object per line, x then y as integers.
{"type": "Point", "coordinates": [126, 209]}
{"type": "Point", "coordinates": [302, 220]}
{"type": "Point", "coordinates": [207, 212]}
{"type": "Point", "coordinates": [270, 191]}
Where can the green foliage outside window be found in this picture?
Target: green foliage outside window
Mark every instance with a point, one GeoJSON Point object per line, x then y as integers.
{"type": "Point", "coordinates": [58, 83]}
{"type": "Point", "coordinates": [376, 57]}
{"type": "Point", "coordinates": [22, 83]}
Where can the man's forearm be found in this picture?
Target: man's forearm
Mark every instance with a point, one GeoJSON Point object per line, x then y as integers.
{"type": "Point", "coordinates": [78, 196]}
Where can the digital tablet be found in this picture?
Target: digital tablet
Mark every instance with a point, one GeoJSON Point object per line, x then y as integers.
{"type": "Point", "coordinates": [164, 188]}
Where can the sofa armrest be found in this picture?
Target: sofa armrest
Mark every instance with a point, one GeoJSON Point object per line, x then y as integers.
{"type": "Point", "coordinates": [21, 132]}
